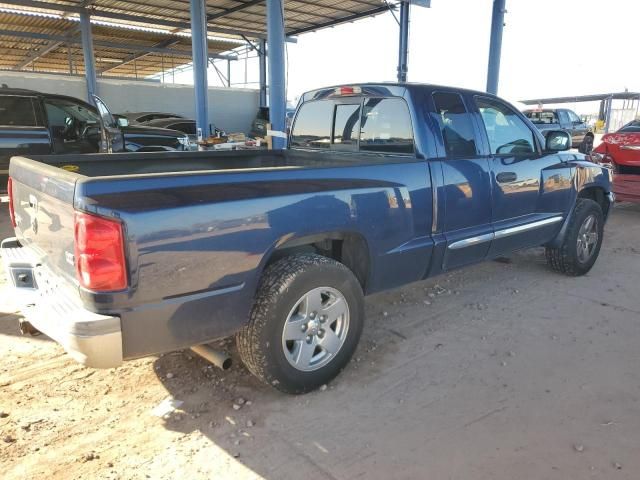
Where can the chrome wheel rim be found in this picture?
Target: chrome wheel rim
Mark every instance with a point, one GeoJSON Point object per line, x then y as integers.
{"type": "Point", "coordinates": [316, 329]}
{"type": "Point", "coordinates": [587, 238]}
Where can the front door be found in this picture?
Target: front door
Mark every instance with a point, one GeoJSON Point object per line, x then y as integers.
{"type": "Point", "coordinates": [530, 187]}
{"type": "Point", "coordinates": [112, 137]}
{"type": "Point", "coordinates": [467, 183]}
{"type": "Point", "coordinates": [73, 125]}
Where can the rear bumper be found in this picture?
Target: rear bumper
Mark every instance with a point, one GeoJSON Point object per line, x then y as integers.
{"type": "Point", "coordinates": [53, 307]}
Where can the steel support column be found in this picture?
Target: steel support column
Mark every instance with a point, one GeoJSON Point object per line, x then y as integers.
{"type": "Point", "coordinates": [277, 93]}
{"type": "Point", "coordinates": [403, 52]}
{"type": "Point", "coordinates": [263, 72]}
{"type": "Point", "coordinates": [609, 111]}
{"type": "Point", "coordinates": [199, 47]}
{"type": "Point", "coordinates": [89, 59]}
{"type": "Point", "coordinates": [495, 48]}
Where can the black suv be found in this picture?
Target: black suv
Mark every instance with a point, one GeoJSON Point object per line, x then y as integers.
{"type": "Point", "coordinates": [34, 123]}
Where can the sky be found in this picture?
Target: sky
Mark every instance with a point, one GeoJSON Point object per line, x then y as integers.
{"type": "Point", "coordinates": [550, 48]}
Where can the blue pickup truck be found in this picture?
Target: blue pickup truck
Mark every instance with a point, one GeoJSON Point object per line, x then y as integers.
{"type": "Point", "coordinates": [122, 256]}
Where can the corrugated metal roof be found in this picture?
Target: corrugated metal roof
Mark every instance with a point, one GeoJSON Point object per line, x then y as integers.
{"type": "Point", "coordinates": [148, 23]}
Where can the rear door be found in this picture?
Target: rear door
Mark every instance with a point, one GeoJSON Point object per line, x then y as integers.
{"type": "Point", "coordinates": [22, 131]}
{"type": "Point", "coordinates": [529, 187]}
{"type": "Point", "coordinates": [467, 182]}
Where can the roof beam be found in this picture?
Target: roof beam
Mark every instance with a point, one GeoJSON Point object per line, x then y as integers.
{"type": "Point", "coordinates": [33, 56]}
{"type": "Point", "coordinates": [51, 46]}
{"type": "Point", "coordinates": [350, 18]}
{"type": "Point", "coordinates": [143, 19]}
{"type": "Point", "coordinates": [136, 56]}
{"type": "Point", "coordinates": [237, 8]}
{"type": "Point", "coordinates": [109, 44]}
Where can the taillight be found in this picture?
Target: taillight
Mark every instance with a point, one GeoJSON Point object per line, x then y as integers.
{"type": "Point", "coordinates": [12, 213]}
{"type": "Point", "coordinates": [99, 253]}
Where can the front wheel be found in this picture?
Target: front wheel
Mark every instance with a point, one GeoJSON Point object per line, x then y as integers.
{"type": "Point", "coordinates": [582, 241]}
{"type": "Point", "coordinates": [305, 323]}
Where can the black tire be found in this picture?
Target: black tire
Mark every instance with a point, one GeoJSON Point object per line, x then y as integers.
{"type": "Point", "coordinates": [587, 145]}
{"type": "Point", "coordinates": [565, 259]}
{"type": "Point", "coordinates": [283, 284]}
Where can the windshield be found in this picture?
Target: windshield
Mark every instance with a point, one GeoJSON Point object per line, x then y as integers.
{"type": "Point", "coordinates": [544, 117]}
{"type": "Point", "coordinates": [631, 127]}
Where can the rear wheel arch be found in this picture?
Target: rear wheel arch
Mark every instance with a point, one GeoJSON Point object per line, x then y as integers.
{"type": "Point", "coordinates": [349, 248]}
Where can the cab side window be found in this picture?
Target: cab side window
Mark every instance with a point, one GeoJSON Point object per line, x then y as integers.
{"type": "Point", "coordinates": [386, 126]}
{"type": "Point", "coordinates": [563, 116]}
{"type": "Point", "coordinates": [506, 131]}
{"type": "Point", "coordinates": [455, 125]}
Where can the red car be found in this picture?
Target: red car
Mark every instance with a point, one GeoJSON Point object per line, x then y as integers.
{"type": "Point", "coordinates": [622, 150]}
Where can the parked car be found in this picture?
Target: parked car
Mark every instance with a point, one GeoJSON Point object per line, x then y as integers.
{"type": "Point", "coordinates": [35, 123]}
{"type": "Point", "coordinates": [563, 119]}
{"type": "Point", "coordinates": [137, 118]}
{"type": "Point", "coordinates": [381, 185]}
{"type": "Point", "coordinates": [621, 150]}
{"type": "Point", "coordinates": [260, 122]}
{"type": "Point", "coordinates": [259, 125]}
{"type": "Point", "coordinates": [183, 125]}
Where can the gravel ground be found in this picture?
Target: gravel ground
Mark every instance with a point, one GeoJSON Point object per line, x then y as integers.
{"type": "Point", "coordinates": [501, 371]}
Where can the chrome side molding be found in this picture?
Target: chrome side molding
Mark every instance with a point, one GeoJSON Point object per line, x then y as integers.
{"type": "Point", "coordinates": [487, 237]}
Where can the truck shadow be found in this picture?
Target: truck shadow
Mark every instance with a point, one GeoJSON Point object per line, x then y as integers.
{"type": "Point", "coordinates": [256, 425]}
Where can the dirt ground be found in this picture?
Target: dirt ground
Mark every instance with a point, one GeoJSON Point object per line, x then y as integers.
{"type": "Point", "coordinates": [501, 371]}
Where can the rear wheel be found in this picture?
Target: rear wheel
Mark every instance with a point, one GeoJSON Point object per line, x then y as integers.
{"type": "Point", "coordinates": [582, 242]}
{"type": "Point", "coordinates": [305, 323]}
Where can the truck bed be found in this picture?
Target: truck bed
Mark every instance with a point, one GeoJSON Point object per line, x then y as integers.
{"type": "Point", "coordinates": [119, 164]}
{"type": "Point", "coordinates": [199, 227]}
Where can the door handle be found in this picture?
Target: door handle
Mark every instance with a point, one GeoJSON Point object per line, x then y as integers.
{"type": "Point", "coordinates": [506, 177]}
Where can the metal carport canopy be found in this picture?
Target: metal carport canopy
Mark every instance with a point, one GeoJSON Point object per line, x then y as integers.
{"type": "Point", "coordinates": [232, 18]}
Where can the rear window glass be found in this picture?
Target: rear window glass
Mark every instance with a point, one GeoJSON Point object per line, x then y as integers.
{"type": "Point", "coordinates": [386, 126]}
{"type": "Point", "coordinates": [455, 124]}
{"type": "Point", "coordinates": [631, 127]}
{"type": "Point", "coordinates": [347, 124]}
{"type": "Point", "coordinates": [542, 118]}
{"type": "Point", "coordinates": [17, 111]}
{"type": "Point", "coordinates": [312, 127]}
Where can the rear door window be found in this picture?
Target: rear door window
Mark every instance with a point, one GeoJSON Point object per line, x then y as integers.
{"type": "Point", "coordinates": [386, 126]}
{"type": "Point", "coordinates": [456, 125]}
{"type": "Point", "coordinates": [312, 127]}
{"type": "Point", "coordinates": [506, 131]}
{"type": "Point", "coordinates": [563, 116]}
{"type": "Point", "coordinates": [17, 111]}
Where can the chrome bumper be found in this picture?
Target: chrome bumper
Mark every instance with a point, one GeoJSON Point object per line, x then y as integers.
{"type": "Point", "coordinates": [53, 306]}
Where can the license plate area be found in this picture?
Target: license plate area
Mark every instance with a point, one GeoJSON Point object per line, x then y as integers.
{"type": "Point", "coordinates": [23, 277]}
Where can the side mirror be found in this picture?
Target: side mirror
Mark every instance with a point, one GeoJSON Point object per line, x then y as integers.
{"type": "Point", "coordinates": [558, 141]}
{"type": "Point", "coordinates": [123, 122]}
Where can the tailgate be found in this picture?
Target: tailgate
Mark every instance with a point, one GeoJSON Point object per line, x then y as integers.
{"type": "Point", "coordinates": [43, 205]}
